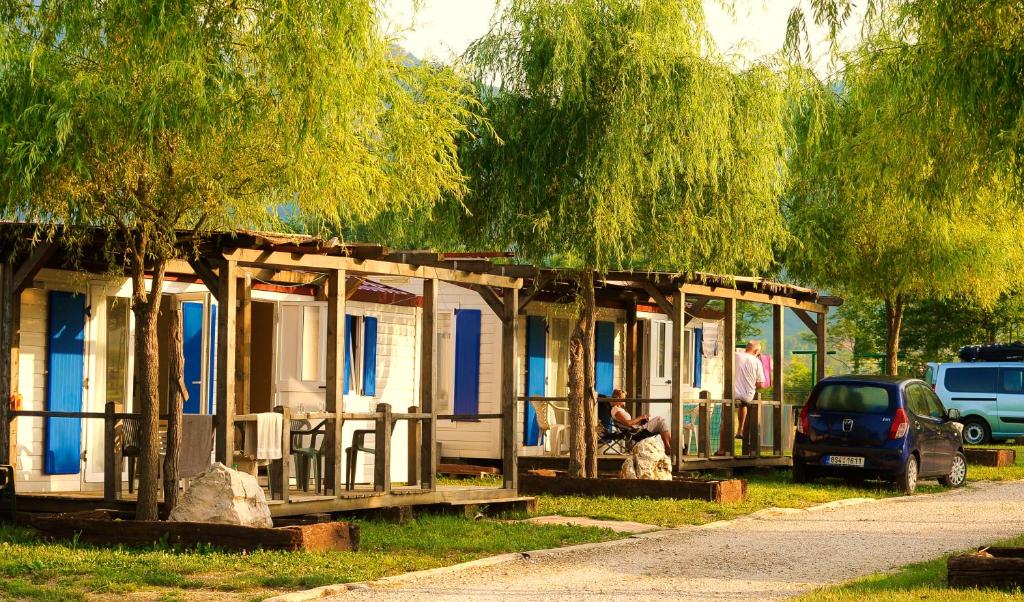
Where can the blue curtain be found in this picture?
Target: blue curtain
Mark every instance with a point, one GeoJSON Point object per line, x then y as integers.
{"type": "Point", "coordinates": [467, 361]}
{"type": "Point", "coordinates": [536, 374]}
{"type": "Point", "coordinates": [698, 356]}
{"type": "Point", "coordinates": [350, 326]}
{"type": "Point", "coordinates": [369, 356]}
{"type": "Point", "coordinates": [64, 378]}
{"type": "Point", "coordinates": [604, 358]}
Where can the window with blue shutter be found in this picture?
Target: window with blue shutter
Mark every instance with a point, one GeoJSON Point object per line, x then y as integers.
{"type": "Point", "coordinates": [698, 356]}
{"type": "Point", "coordinates": [369, 356]}
{"type": "Point", "coordinates": [467, 361]}
{"type": "Point", "coordinates": [604, 358]}
{"type": "Point", "coordinates": [536, 374]}
{"type": "Point", "coordinates": [64, 380]}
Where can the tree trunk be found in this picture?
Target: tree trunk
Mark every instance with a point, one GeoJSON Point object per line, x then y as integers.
{"type": "Point", "coordinates": [176, 396]}
{"type": "Point", "coordinates": [893, 323]}
{"type": "Point", "coordinates": [146, 307]}
{"type": "Point", "coordinates": [577, 439]}
{"type": "Point", "coordinates": [588, 321]}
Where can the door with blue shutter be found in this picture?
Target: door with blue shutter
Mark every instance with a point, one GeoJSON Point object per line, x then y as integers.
{"type": "Point", "coordinates": [536, 374]}
{"type": "Point", "coordinates": [192, 348]}
{"type": "Point", "coordinates": [466, 392]}
{"type": "Point", "coordinates": [604, 358]}
{"type": "Point", "coordinates": [64, 382]}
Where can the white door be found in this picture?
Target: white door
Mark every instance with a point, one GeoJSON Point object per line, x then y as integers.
{"type": "Point", "coordinates": [302, 355]}
{"type": "Point", "coordinates": [659, 384]}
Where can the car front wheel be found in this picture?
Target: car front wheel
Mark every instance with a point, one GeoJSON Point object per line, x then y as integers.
{"type": "Point", "coordinates": [957, 473]}
{"type": "Point", "coordinates": [976, 431]}
{"type": "Point", "coordinates": [907, 480]}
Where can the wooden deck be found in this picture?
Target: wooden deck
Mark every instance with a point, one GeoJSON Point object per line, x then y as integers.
{"type": "Point", "coordinates": [300, 502]}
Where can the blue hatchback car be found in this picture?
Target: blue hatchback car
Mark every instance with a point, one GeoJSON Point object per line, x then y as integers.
{"type": "Point", "coordinates": [878, 426]}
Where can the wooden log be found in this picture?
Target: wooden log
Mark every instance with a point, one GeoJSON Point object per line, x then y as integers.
{"type": "Point", "coordinates": [990, 456]}
{"type": "Point", "coordinates": [987, 568]}
{"type": "Point", "coordinates": [100, 531]}
{"type": "Point", "coordinates": [466, 470]}
{"type": "Point", "coordinates": [726, 491]}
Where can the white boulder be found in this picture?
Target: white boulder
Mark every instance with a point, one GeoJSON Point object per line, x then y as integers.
{"type": "Point", "coordinates": [222, 495]}
{"type": "Point", "coordinates": [647, 460]}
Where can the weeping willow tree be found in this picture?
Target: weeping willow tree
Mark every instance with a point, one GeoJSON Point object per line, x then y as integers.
{"type": "Point", "coordinates": [147, 118]}
{"type": "Point", "coordinates": [620, 138]}
{"type": "Point", "coordinates": [878, 203]}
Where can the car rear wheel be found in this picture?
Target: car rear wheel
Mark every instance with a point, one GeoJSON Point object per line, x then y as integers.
{"type": "Point", "coordinates": [957, 473]}
{"type": "Point", "coordinates": [976, 431]}
{"type": "Point", "coordinates": [907, 480]}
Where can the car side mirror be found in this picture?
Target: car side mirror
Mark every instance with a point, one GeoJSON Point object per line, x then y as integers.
{"type": "Point", "coordinates": [952, 414]}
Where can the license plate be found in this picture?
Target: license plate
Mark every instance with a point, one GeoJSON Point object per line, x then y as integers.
{"type": "Point", "coordinates": [845, 461]}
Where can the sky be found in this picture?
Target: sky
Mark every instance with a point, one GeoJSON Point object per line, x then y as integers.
{"type": "Point", "coordinates": [442, 29]}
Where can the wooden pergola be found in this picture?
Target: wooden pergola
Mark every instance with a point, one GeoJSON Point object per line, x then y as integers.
{"type": "Point", "coordinates": [224, 262]}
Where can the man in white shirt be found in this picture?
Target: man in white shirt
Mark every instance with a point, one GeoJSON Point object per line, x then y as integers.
{"type": "Point", "coordinates": [748, 376]}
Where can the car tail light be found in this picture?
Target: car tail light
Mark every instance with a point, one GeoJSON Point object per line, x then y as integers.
{"type": "Point", "coordinates": [900, 425]}
{"type": "Point", "coordinates": [933, 388]}
{"type": "Point", "coordinates": [805, 420]}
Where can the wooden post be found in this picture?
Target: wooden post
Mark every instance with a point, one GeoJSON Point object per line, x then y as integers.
{"type": "Point", "coordinates": [413, 448]}
{"type": "Point", "coordinates": [629, 363]}
{"type": "Point", "coordinates": [111, 466]}
{"type": "Point", "coordinates": [678, 375]}
{"type": "Point", "coordinates": [778, 384]}
{"type": "Point", "coordinates": [752, 436]}
{"type": "Point", "coordinates": [7, 369]}
{"type": "Point", "coordinates": [283, 467]}
{"type": "Point", "coordinates": [243, 361]}
{"type": "Point", "coordinates": [428, 342]}
{"type": "Point", "coordinates": [382, 449]}
{"type": "Point", "coordinates": [728, 339]}
{"type": "Point", "coordinates": [820, 335]}
{"type": "Point", "coordinates": [704, 418]}
{"type": "Point", "coordinates": [509, 437]}
{"type": "Point", "coordinates": [335, 381]}
{"type": "Point", "coordinates": [226, 336]}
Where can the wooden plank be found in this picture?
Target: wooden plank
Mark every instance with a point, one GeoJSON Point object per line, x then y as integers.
{"type": "Point", "coordinates": [821, 335]}
{"type": "Point", "coordinates": [778, 374]}
{"type": "Point", "coordinates": [243, 359]}
{"type": "Point", "coordinates": [382, 450]}
{"type": "Point", "coordinates": [658, 296]}
{"type": "Point", "coordinates": [111, 468]}
{"type": "Point", "coordinates": [806, 318]}
{"type": "Point", "coordinates": [695, 309]}
{"type": "Point", "coordinates": [28, 269]}
{"type": "Point", "coordinates": [704, 432]}
{"type": "Point", "coordinates": [989, 568]}
{"type": "Point", "coordinates": [990, 456]}
{"type": "Point", "coordinates": [413, 449]}
{"type": "Point", "coordinates": [335, 383]}
{"type": "Point", "coordinates": [678, 375]}
{"type": "Point", "coordinates": [509, 437]}
{"type": "Point", "coordinates": [286, 452]}
{"type": "Point", "coordinates": [466, 470]}
{"type": "Point", "coordinates": [629, 361]}
{"type": "Point", "coordinates": [226, 338]}
{"type": "Point", "coordinates": [771, 299]}
{"type": "Point", "coordinates": [204, 269]}
{"type": "Point", "coordinates": [491, 298]}
{"type": "Point", "coordinates": [726, 491]}
{"type": "Point", "coordinates": [7, 373]}
{"type": "Point", "coordinates": [100, 531]}
{"type": "Point", "coordinates": [533, 290]}
{"type": "Point", "coordinates": [324, 263]}
{"type": "Point", "coordinates": [428, 367]}
{"type": "Point", "coordinates": [728, 338]}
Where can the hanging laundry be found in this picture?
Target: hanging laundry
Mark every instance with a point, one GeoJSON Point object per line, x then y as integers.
{"type": "Point", "coordinates": [766, 362]}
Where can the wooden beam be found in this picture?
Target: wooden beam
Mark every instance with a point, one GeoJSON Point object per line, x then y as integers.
{"type": "Point", "coordinates": [721, 292]}
{"type": "Point", "coordinates": [323, 263]}
{"type": "Point", "coordinates": [428, 367]}
{"type": "Point", "coordinates": [491, 298]}
{"type": "Point", "coordinates": [335, 383]}
{"type": "Point", "coordinates": [678, 375]}
{"type": "Point", "coordinates": [226, 340]}
{"type": "Point", "coordinates": [821, 339]}
{"type": "Point", "coordinates": [658, 296]}
{"type": "Point", "coordinates": [7, 328]}
{"type": "Point", "coordinates": [536, 287]}
{"type": "Point", "coordinates": [696, 308]}
{"type": "Point", "coordinates": [509, 437]}
{"type": "Point", "coordinates": [352, 288]}
{"type": "Point", "coordinates": [808, 321]}
{"type": "Point", "coordinates": [629, 361]}
{"type": "Point", "coordinates": [204, 269]}
{"type": "Point", "coordinates": [728, 339]}
{"type": "Point", "coordinates": [243, 359]}
{"type": "Point", "coordinates": [778, 373]}
{"type": "Point", "coordinates": [41, 253]}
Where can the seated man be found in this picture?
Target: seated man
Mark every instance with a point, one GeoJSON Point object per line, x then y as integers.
{"type": "Point", "coordinates": [655, 425]}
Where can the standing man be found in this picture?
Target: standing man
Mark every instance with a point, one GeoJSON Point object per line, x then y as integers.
{"type": "Point", "coordinates": [748, 376]}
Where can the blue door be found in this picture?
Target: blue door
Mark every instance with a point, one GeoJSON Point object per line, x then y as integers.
{"type": "Point", "coordinates": [467, 361]}
{"type": "Point", "coordinates": [64, 379]}
{"type": "Point", "coordinates": [604, 358]}
{"type": "Point", "coordinates": [536, 373]}
{"type": "Point", "coordinates": [192, 345]}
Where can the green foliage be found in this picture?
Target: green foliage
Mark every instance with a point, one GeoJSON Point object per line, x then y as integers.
{"type": "Point", "coordinates": [620, 138]}
{"type": "Point", "coordinates": [751, 319]}
{"type": "Point", "coordinates": [151, 115]}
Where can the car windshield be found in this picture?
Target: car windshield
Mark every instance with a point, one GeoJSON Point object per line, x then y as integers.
{"type": "Point", "coordinates": [850, 397]}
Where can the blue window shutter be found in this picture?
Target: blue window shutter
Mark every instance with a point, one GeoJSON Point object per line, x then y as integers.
{"type": "Point", "coordinates": [192, 348]}
{"type": "Point", "coordinates": [64, 379]}
{"type": "Point", "coordinates": [698, 356]}
{"type": "Point", "coordinates": [467, 361]}
{"type": "Point", "coordinates": [369, 356]}
{"type": "Point", "coordinates": [350, 325]}
{"type": "Point", "coordinates": [604, 358]}
{"type": "Point", "coordinates": [211, 379]}
{"type": "Point", "coordinates": [536, 374]}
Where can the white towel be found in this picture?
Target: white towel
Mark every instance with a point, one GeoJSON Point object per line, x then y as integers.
{"type": "Point", "coordinates": [263, 437]}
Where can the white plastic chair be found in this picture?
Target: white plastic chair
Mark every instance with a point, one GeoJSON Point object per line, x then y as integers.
{"type": "Point", "coordinates": [691, 411]}
{"type": "Point", "coordinates": [547, 420]}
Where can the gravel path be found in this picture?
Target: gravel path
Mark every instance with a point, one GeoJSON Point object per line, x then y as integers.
{"type": "Point", "coordinates": [768, 555]}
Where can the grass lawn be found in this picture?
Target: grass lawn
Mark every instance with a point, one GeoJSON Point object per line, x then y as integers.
{"type": "Point", "coordinates": [921, 581]}
{"type": "Point", "coordinates": [31, 569]}
{"type": "Point", "coordinates": [1006, 473]}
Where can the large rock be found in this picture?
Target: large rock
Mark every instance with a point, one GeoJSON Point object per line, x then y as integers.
{"type": "Point", "coordinates": [222, 495]}
{"type": "Point", "coordinates": [647, 460]}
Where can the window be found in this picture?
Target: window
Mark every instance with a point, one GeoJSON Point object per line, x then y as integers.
{"type": "Point", "coordinates": [868, 399]}
{"type": "Point", "coordinates": [935, 409]}
{"type": "Point", "coordinates": [361, 355]}
{"type": "Point", "coordinates": [917, 400]}
{"type": "Point", "coordinates": [117, 351]}
{"type": "Point", "coordinates": [662, 347]}
{"type": "Point", "coordinates": [559, 340]}
{"type": "Point", "coordinates": [312, 344]}
{"type": "Point", "coordinates": [971, 380]}
{"type": "Point", "coordinates": [1011, 380]}
{"type": "Point", "coordinates": [929, 375]}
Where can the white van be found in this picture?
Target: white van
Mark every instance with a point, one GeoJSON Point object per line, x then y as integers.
{"type": "Point", "coordinates": [989, 395]}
